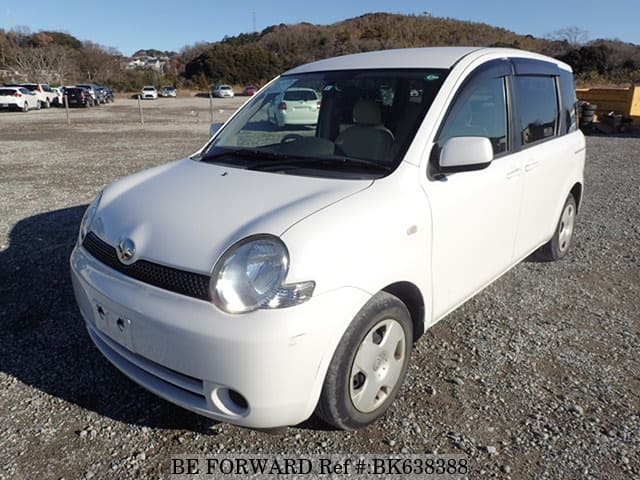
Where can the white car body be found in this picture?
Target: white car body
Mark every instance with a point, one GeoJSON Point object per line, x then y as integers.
{"type": "Point", "coordinates": [44, 93]}
{"type": "Point", "coordinates": [432, 240]}
{"type": "Point", "coordinates": [58, 99]}
{"type": "Point", "coordinates": [296, 106]}
{"type": "Point", "coordinates": [18, 98]}
{"type": "Point", "coordinates": [223, 91]}
{"type": "Point", "coordinates": [149, 92]}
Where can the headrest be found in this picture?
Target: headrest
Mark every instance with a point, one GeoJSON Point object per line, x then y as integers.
{"type": "Point", "coordinates": [367, 112]}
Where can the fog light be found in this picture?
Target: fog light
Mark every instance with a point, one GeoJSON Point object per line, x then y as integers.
{"type": "Point", "coordinates": [230, 402]}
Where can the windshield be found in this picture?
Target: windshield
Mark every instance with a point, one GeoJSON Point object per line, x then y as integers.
{"type": "Point", "coordinates": [338, 123]}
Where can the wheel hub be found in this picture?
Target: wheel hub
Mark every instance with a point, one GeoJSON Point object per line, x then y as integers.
{"type": "Point", "coordinates": [377, 365]}
{"type": "Point", "coordinates": [381, 364]}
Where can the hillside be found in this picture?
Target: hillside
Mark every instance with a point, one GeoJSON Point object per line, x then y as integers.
{"type": "Point", "coordinates": [256, 57]}
{"type": "Point", "coordinates": [252, 58]}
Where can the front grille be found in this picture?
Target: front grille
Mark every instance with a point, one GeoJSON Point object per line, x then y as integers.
{"type": "Point", "coordinates": [191, 284]}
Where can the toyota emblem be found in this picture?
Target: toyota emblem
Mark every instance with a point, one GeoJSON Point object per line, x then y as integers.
{"type": "Point", "coordinates": [126, 251]}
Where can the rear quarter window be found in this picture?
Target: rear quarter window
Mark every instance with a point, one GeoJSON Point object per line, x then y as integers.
{"type": "Point", "coordinates": [569, 100]}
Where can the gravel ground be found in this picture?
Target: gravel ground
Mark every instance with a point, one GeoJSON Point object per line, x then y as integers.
{"type": "Point", "coordinates": [536, 377]}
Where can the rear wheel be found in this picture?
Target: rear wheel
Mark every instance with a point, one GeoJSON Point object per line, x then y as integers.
{"type": "Point", "coordinates": [562, 239]}
{"type": "Point", "coordinates": [369, 365]}
{"type": "Point", "coordinates": [25, 106]}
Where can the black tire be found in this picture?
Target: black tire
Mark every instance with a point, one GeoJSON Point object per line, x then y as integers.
{"type": "Point", "coordinates": [384, 319]}
{"type": "Point", "coordinates": [560, 244]}
{"type": "Point", "coordinates": [25, 107]}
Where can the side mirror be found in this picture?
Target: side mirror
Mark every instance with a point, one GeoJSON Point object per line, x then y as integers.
{"type": "Point", "coordinates": [213, 129]}
{"type": "Point", "coordinates": [460, 154]}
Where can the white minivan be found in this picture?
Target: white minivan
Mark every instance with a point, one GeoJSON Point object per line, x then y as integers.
{"type": "Point", "coordinates": [282, 271]}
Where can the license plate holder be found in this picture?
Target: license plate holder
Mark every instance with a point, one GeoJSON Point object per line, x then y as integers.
{"type": "Point", "coordinates": [114, 324]}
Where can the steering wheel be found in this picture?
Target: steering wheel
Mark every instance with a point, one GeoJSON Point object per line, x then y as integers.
{"type": "Point", "coordinates": [291, 137]}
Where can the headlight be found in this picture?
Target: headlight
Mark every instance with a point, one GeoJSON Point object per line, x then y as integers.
{"type": "Point", "coordinates": [251, 274]}
{"type": "Point", "coordinates": [87, 218]}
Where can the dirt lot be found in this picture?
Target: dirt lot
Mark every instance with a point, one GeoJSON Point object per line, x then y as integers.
{"type": "Point", "coordinates": [537, 377]}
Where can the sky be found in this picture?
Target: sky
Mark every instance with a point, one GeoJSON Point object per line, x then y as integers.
{"type": "Point", "coordinates": [171, 25]}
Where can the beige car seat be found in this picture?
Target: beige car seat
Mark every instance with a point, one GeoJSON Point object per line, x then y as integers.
{"type": "Point", "coordinates": [368, 138]}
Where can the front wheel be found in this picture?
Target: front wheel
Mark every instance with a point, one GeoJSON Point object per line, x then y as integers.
{"type": "Point", "coordinates": [562, 239]}
{"type": "Point", "coordinates": [369, 365]}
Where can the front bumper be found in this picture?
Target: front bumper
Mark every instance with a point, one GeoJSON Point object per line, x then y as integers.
{"type": "Point", "coordinates": [189, 352]}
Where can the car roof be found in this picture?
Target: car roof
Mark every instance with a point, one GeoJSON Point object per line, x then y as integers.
{"type": "Point", "coordinates": [439, 57]}
{"type": "Point", "coordinates": [429, 57]}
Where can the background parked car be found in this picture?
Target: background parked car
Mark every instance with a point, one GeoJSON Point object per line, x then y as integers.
{"type": "Point", "coordinates": [79, 97]}
{"type": "Point", "coordinates": [91, 88]}
{"type": "Point", "coordinates": [109, 94]}
{"type": "Point", "coordinates": [168, 91]}
{"type": "Point", "coordinates": [221, 91]}
{"type": "Point", "coordinates": [149, 92]}
{"type": "Point", "coordinates": [58, 99]}
{"type": "Point", "coordinates": [296, 106]}
{"type": "Point", "coordinates": [250, 90]}
{"type": "Point", "coordinates": [43, 92]}
{"type": "Point", "coordinates": [101, 94]}
{"type": "Point", "coordinates": [18, 98]}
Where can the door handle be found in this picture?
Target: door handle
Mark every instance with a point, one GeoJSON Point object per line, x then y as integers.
{"type": "Point", "coordinates": [531, 166]}
{"type": "Point", "coordinates": [516, 172]}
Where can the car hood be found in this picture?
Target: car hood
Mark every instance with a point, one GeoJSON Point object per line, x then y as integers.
{"type": "Point", "coordinates": [185, 214]}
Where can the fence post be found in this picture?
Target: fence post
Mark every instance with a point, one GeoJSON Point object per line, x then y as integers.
{"type": "Point", "coordinates": [66, 108]}
{"type": "Point", "coordinates": [210, 108]}
{"type": "Point", "coordinates": [140, 110]}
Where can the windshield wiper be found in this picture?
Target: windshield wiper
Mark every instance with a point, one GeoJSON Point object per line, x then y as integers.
{"type": "Point", "coordinates": [318, 162]}
{"type": "Point", "coordinates": [265, 160]}
{"type": "Point", "coordinates": [243, 153]}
